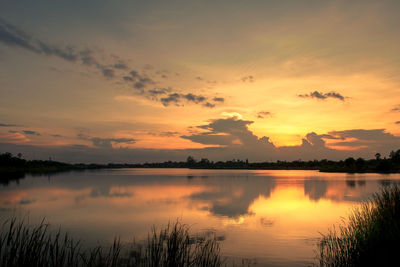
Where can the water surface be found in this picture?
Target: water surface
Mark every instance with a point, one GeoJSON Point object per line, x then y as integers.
{"type": "Point", "coordinates": [273, 218]}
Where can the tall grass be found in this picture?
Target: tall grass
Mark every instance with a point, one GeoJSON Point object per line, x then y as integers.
{"type": "Point", "coordinates": [24, 245]}
{"type": "Point", "coordinates": [369, 237]}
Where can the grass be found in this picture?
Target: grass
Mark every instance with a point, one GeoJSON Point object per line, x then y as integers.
{"type": "Point", "coordinates": [369, 237]}
{"type": "Point", "coordinates": [24, 245]}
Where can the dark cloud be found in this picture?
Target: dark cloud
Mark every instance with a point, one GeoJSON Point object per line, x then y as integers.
{"type": "Point", "coordinates": [164, 134]}
{"type": "Point", "coordinates": [12, 131]}
{"type": "Point", "coordinates": [139, 85]}
{"type": "Point", "coordinates": [87, 57]}
{"type": "Point", "coordinates": [218, 99]}
{"type": "Point", "coordinates": [13, 36]}
{"type": "Point", "coordinates": [177, 99]}
{"type": "Point", "coordinates": [225, 139]}
{"type": "Point", "coordinates": [199, 78]}
{"type": "Point", "coordinates": [67, 53]}
{"type": "Point", "coordinates": [263, 114]}
{"type": "Point", "coordinates": [159, 91]}
{"type": "Point", "coordinates": [249, 78]}
{"type": "Point", "coordinates": [120, 66]}
{"type": "Point", "coordinates": [208, 105]}
{"type": "Point", "coordinates": [323, 96]}
{"type": "Point", "coordinates": [28, 132]}
{"type": "Point", "coordinates": [194, 98]}
{"type": "Point", "coordinates": [397, 122]}
{"type": "Point", "coordinates": [127, 79]}
{"type": "Point", "coordinates": [228, 132]}
{"type": "Point", "coordinates": [56, 135]}
{"type": "Point", "coordinates": [361, 134]}
{"type": "Point", "coordinates": [142, 83]}
{"type": "Point", "coordinates": [8, 125]}
{"type": "Point", "coordinates": [134, 74]}
{"type": "Point", "coordinates": [108, 73]}
{"type": "Point", "coordinates": [169, 134]}
{"type": "Point", "coordinates": [396, 109]}
{"type": "Point", "coordinates": [172, 98]}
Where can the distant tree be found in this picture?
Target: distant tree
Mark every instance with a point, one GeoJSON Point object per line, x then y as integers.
{"type": "Point", "coordinates": [350, 162]}
{"type": "Point", "coordinates": [190, 161]}
{"type": "Point", "coordinates": [19, 155]}
{"type": "Point", "coordinates": [204, 162]}
{"type": "Point", "coordinates": [395, 156]}
{"type": "Point", "coordinates": [360, 163]}
{"type": "Point", "coordinates": [378, 156]}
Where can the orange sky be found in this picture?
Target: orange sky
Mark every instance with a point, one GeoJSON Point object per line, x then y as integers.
{"type": "Point", "coordinates": [144, 76]}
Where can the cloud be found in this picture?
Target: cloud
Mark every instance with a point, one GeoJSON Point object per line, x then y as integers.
{"type": "Point", "coordinates": [159, 91]}
{"type": "Point", "coordinates": [229, 132]}
{"type": "Point", "coordinates": [223, 139]}
{"type": "Point", "coordinates": [396, 109]}
{"type": "Point", "coordinates": [249, 79]}
{"type": "Point", "coordinates": [172, 98]}
{"type": "Point", "coordinates": [263, 114]}
{"type": "Point", "coordinates": [194, 98]}
{"type": "Point", "coordinates": [376, 140]}
{"type": "Point", "coordinates": [8, 125]}
{"type": "Point", "coordinates": [27, 132]}
{"type": "Point", "coordinates": [120, 66]}
{"type": "Point", "coordinates": [209, 105]}
{"type": "Point", "coordinates": [107, 142]}
{"type": "Point", "coordinates": [323, 96]}
{"type": "Point", "coordinates": [169, 134]}
{"type": "Point", "coordinates": [109, 73]}
{"type": "Point", "coordinates": [397, 122]}
{"type": "Point", "coordinates": [219, 99]}
{"type": "Point", "coordinates": [176, 99]}
{"type": "Point", "coordinates": [13, 36]}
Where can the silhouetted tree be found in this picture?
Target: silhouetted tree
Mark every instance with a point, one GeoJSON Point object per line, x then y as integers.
{"type": "Point", "coordinates": [395, 156]}
{"type": "Point", "coordinates": [190, 161]}
{"type": "Point", "coordinates": [378, 156]}
{"type": "Point", "coordinates": [360, 163]}
{"type": "Point", "coordinates": [350, 162]}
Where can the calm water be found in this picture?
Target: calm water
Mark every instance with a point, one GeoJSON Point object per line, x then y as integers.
{"type": "Point", "coordinates": [270, 217]}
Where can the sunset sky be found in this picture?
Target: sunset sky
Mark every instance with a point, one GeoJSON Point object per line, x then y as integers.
{"type": "Point", "coordinates": [135, 81]}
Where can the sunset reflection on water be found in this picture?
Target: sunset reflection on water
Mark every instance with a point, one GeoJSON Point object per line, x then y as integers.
{"type": "Point", "coordinates": [274, 217]}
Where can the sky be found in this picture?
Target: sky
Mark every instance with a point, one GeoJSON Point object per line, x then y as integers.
{"type": "Point", "coordinates": [146, 81]}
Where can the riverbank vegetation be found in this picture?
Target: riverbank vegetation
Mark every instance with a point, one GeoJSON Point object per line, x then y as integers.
{"type": "Point", "coordinates": [39, 246]}
{"type": "Point", "coordinates": [369, 237]}
{"type": "Point", "coordinates": [10, 164]}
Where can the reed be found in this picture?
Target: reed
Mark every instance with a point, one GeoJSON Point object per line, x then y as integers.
{"type": "Point", "coordinates": [24, 245]}
{"type": "Point", "coordinates": [369, 237]}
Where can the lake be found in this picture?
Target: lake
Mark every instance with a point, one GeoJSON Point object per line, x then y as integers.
{"type": "Point", "coordinates": [270, 217]}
